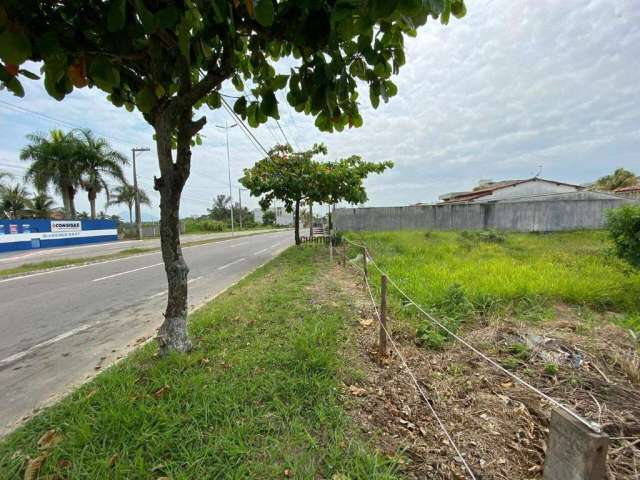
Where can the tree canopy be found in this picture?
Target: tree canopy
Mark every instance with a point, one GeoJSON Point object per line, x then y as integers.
{"type": "Point", "coordinates": [618, 179]}
{"type": "Point", "coordinates": [294, 177]}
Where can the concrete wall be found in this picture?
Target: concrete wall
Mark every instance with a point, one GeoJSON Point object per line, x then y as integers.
{"type": "Point", "coordinates": [542, 214]}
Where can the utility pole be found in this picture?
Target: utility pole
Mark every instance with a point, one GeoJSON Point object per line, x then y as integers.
{"type": "Point", "coordinates": [135, 188]}
{"type": "Point", "coordinates": [226, 131]}
{"type": "Point", "coordinates": [240, 202]}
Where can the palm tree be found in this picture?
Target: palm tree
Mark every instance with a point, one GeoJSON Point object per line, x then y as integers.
{"type": "Point", "coordinates": [100, 162]}
{"type": "Point", "coordinates": [4, 175]}
{"type": "Point", "coordinates": [126, 194]}
{"type": "Point", "coordinates": [618, 179]}
{"type": "Point", "coordinates": [15, 201]}
{"type": "Point", "coordinates": [42, 205]}
{"type": "Point", "coordinates": [55, 160]}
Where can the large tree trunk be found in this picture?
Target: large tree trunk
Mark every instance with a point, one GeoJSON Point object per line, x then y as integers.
{"type": "Point", "coordinates": [296, 222]}
{"type": "Point", "coordinates": [172, 335]}
{"type": "Point", "coordinates": [92, 201]}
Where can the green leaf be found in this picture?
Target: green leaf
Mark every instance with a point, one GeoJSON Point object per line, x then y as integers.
{"type": "Point", "coordinates": [146, 17]}
{"type": "Point", "coordinates": [269, 105]}
{"type": "Point", "coordinates": [279, 82]}
{"type": "Point", "coordinates": [168, 17]}
{"type": "Point", "coordinates": [459, 9]}
{"type": "Point", "coordinates": [264, 12]}
{"type": "Point", "coordinates": [28, 74]}
{"type": "Point", "coordinates": [218, 9]}
{"type": "Point", "coordinates": [15, 47]}
{"type": "Point", "coordinates": [15, 87]}
{"type": "Point", "coordinates": [240, 107]}
{"type": "Point", "coordinates": [391, 88]}
{"type": "Point", "coordinates": [104, 74]}
{"type": "Point", "coordinates": [145, 99]}
{"type": "Point", "coordinates": [116, 15]}
{"type": "Point", "coordinates": [183, 38]}
{"type": "Point", "coordinates": [213, 101]}
{"type": "Point", "coordinates": [374, 95]}
{"type": "Point", "coordinates": [382, 8]}
{"type": "Point", "coordinates": [446, 12]}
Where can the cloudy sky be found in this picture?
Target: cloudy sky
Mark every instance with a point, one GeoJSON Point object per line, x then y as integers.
{"type": "Point", "coordinates": [515, 86]}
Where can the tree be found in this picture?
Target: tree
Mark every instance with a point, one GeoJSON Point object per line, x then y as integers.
{"type": "Point", "coordinates": [269, 218]}
{"type": "Point", "coordinates": [294, 177]}
{"type": "Point", "coordinates": [167, 58]}
{"type": "Point", "coordinates": [42, 205]}
{"type": "Point", "coordinates": [15, 201]}
{"type": "Point", "coordinates": [618, 179]}
{"type": "Point", "coordinates": [55, 160]}
{"type": "Point", "coordinates": [126, 194]}
{"type": "Point", "coordinates": [220, 209]}
{"type": "Point", "coordinates": [99, 163]}
{"type": "Point", "coordinates": [4, 175]}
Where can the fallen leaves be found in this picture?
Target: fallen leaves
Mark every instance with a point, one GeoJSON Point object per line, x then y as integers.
{"type": "Point", "coordinates": [366, 323]}
{"type": "Point", "coordinates": [33, 466]}
{"type": "Point", "coordinates": [161, 392]}
{"type": "Point", "coordinates": [112, 460]}
{"type": "Point", "coordinates": [49, 439]}
{"type": "Point", "coordinates": [357, 391]}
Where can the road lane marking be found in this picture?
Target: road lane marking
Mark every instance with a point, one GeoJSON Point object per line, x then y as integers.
{"type": "Point", "coordinates": [238, 244]}
{"type": "Point", "coordinates": [232, 263]}
{"type": "Point", "coordinates": [164, 292]}
{"type": "Point", "coordinates": [261, 251]}
{"type": "Point", "coordinates": [125, 273]}
{"type": "Point", "coordinates": [275, 244]}
{"type": "Point", "coordinates": [62, 336]}
{"type": "Point", "coordinates": [129, 257]}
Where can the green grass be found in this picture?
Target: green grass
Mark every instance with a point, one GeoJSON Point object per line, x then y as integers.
{"type": "Point", "coordinates": [260, 394]}
{"type": "Point", "coordinates": [519, 274]}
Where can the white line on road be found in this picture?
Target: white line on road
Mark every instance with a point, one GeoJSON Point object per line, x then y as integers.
{"type": "Point", "coordinates": [275, 245]}
{"type": "Point", "coordinates": [124, 273]}
{"type": "Point", "coordinates": [238, 244]}
{"type": "Point", "coordinates": [62, 336]}
{"type": "Point", "coordinates": [232, 263]}
{"type": "Point", "coordinates": [261, 251]}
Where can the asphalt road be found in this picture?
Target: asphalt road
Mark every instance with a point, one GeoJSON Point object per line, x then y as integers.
{"type": "Point", "coordinates": [60, 327]}
{"type": "Point", "coordinates": [16, 259]}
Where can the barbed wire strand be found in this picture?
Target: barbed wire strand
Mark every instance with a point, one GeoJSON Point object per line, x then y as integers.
{"type": "Point", "coordinates": [415, 382]}
{"type": "Point", "coordinates": [592, 426]}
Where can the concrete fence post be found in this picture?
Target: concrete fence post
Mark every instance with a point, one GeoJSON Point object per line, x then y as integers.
{"type": "Point", "coordinates": [383, 317]}
{"type": "Point", "coordinates": [574, 451]}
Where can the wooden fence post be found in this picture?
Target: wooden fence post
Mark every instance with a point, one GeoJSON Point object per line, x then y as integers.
{"type": "Point", "coordinates": [574, 452]}
{"type": "Point", "coordinates": [383, 317]}
{"type": "Point", "coordinates": [364, 262]}
{"type": "Point", "coordinates": [344, 254]}
{"type": "Point", "coordinates": [330, 249]}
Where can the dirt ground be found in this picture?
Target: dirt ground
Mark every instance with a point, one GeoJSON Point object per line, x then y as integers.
{"type": "Point", "coordinates": [499, 426]}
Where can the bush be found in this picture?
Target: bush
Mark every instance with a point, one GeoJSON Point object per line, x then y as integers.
{"type": "Point", "coordinates": [488, 236]}
{"type": "Point", "coordinates": [194, 225]}
{"type": "Point", "coordinates": [624, 229]}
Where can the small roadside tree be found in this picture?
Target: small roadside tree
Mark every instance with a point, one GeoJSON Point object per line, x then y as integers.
{"type": "Point", "coordinates": [294, 177]}
{"type": "Point", "coordinates": [167, 58]}
{"type": "Point", "coordinates": [220, 209]}
{"type": "Point", "coordinates": [285, 175]}
{"type": "Point", "coordinates": [618, 179]}
{"type": "Point", "coordinates": [269, 218]}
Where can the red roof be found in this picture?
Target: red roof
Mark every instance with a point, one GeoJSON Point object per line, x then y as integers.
{"type": "Point", "coordinates": [632, 188]}
{"type": "Point", "coordinates": [483, 192]}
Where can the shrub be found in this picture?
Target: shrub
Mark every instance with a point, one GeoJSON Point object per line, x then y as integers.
{"type": "Point", "coordinates": [488, 236]}
{"type": "Point", "coordinates": [193, 225]}
{"type": "Point", "coordinates": [624, 228]}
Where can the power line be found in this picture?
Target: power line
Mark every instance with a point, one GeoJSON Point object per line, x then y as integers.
{"type": "Point", "coordinates": [244, 127]}
{"type": "Point", "coordinates": [21, 109]}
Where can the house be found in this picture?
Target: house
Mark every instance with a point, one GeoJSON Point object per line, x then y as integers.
{"type": "Point", "coordinates": [490, 191]}
{"type": "Point", "coordinates": [632, 191]}
{"type": "Point", "coordinates": [283, 218]}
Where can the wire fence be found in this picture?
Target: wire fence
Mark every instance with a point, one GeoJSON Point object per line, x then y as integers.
{"type": "Point", "coordinates": [368, 259]}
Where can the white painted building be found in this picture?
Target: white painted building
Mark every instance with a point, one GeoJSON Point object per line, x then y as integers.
{"type": "Point", "coordinates": [488, 191]}
{"type": "Point", "coordinates": [283, 218]}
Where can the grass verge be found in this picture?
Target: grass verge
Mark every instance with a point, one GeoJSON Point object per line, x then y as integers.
{"type": "Point", "coordinates": [259, 397]}
{"type": "Point", "coordinates": [459, 275]}
{"type": "Point", "coordinates": [68, 262]}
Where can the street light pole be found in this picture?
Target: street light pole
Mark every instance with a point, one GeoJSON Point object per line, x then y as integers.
{"type": "Point", "coordinates": [135, 188]}
{"type": "Point", "coordinates": [240, 202]}
{"type": "Point", "coordinates": [226, 131]}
